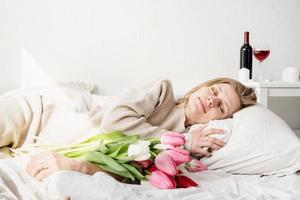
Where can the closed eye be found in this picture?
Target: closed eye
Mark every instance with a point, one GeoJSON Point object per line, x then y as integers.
{"type": "Point", "coordinates": [221, 109]}
{"type": "Point", "coordinates": [213, 91]}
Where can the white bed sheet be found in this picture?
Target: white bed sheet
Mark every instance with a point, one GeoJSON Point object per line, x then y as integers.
{"type": "Point", "coordinates": [16, 184]}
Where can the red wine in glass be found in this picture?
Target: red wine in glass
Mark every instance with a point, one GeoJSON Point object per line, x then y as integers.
{"type": "Point", "coordinates": [261, 55]}
{"type": "Point", "coordinates": [261, 52]}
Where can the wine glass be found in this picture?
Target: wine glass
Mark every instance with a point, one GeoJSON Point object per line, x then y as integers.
{"type": "Point", "coordinates": [261, 52]}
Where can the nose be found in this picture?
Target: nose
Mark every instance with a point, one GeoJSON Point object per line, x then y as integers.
{"type": "Point", "coordinates": [213, 102]}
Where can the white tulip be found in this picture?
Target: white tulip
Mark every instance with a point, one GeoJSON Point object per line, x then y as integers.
{"type": "Point", "coordinates": [163, 146]}
{"type": "Point", "coordinates": [139, 151]}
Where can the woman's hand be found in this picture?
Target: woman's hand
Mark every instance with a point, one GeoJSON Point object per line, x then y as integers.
{"type": "Point", "coordinates": [202, 144]}
{"type": "Point", "coordinates": [44, 164]}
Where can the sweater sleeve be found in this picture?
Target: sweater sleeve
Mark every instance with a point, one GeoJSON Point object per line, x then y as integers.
{"type": "Point", "coordinates": [131, 110]}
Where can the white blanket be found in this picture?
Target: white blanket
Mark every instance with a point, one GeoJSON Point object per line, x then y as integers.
{"type": "Point", "coordinates": [15, 183]}
{"type": "Point", "coordinates": [56, 115]}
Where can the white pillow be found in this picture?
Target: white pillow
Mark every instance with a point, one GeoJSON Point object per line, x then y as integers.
{"type": "Point", "coordinates": [77, 85]}
{"type": "Point", "coordinates": [260, 143]}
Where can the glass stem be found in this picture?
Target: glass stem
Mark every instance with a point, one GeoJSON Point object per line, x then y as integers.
{"type": "Point", "coordinates": [260, 75]}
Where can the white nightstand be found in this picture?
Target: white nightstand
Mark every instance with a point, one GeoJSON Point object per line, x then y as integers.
{"type": "Point", "coordinates": [265, 90]}
{"type": "Point", "coordinates": [274, 89]}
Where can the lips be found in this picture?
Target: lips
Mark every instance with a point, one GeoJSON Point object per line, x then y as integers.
{"type": "Point", "coordinates": [201, 105]}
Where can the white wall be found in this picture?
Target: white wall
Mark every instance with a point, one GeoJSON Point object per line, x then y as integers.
{"type": "Point", "coordinates": [121, 43]}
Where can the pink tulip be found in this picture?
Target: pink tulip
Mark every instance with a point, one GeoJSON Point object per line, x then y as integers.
{"type": "Point", "coordinates": [185, 182]}
{"type": "Point", "coordinates": [144, 163]}
{"type": "Point", "coordinates": [162, 181]}
{"type": "Point", "coordinates": [153, 168]}
{"type": "Point", "coordinates": [179, 155]}
{"type": "Point", "coordinates": [172, 138]}
{"type": "Point", "coordinates": [196, 166]}
{"type": "Point", "coordinates": [165, 163]}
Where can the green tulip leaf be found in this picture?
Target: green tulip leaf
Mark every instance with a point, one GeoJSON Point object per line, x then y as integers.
{"type": "Point", "coordinates": [102, 147]}
{"type": "Point", "coordinates": [120, 149]}
{"type": "Point", "coordinates": [134, 171]}
{"type": "Point", "coordinates": [123, 158]}
{"type": "Point", "coordinates": [105, 136]}
{"type": "Point", "coordinates": [126, 174]}
{"type": "Point", "coordinates": [126, 139]}
{"type": "Point", "coordinates": [99, 157]}
{"type": "Point", "coordinates": [92, 156]}
{"type": "Point", "coordinates": [153, 140]}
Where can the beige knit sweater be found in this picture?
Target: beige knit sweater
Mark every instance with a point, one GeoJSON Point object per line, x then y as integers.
{"type": "Point", "coordinates": [51, 115]}
{"type": "Point", "coordinates": [149, 111]}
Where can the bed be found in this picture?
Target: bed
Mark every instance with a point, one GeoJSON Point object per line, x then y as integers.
{"type": "Point", "coordinates": [214, 184]}
{"type": "Point", "coordinates": [261, 162]}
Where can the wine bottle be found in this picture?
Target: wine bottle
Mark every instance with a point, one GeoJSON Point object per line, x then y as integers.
{"type": "Point", "coordinates": [246, 55]}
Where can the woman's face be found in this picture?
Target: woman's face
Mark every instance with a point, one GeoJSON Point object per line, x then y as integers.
{"type": "Point", "coordinates": [218, 101]}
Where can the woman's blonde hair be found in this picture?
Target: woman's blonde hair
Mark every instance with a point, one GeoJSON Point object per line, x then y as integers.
{"type": "Point", "coordinates": [246, 95]}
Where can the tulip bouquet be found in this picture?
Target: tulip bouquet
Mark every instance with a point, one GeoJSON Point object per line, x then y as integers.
{"type": "Point", "coordinates": [165, 173]}
{"type": "Point", "coordinates": [154, 160]}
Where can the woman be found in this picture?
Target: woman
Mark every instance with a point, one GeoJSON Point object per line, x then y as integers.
{"type": "Point", "coordinates": [152, 111]}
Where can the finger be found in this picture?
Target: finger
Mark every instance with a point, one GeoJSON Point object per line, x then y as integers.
{"type": "Point", "coordinates": [212, 131]}
{"type": "Point", "coordinates": [216, 141]}
{"type": "Point", "coordinates": [210, 142]}
{"type": "Point", "coordinates": [35, 161]}
{"type": "Point", "coordinates": [35, 169]}
{"type": "Point", "coordinates": [199, 132]}
{"type": "Point", "coordinates": [211, 145]}
{"type": "Point", "coordinates": [201, 128]}
{"type": "Point", "coordinates": [198, 142]}
{"type": "Point", "coordinates": [43, 174]}
{"type": "Point", "coordinates": [200, 151]}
